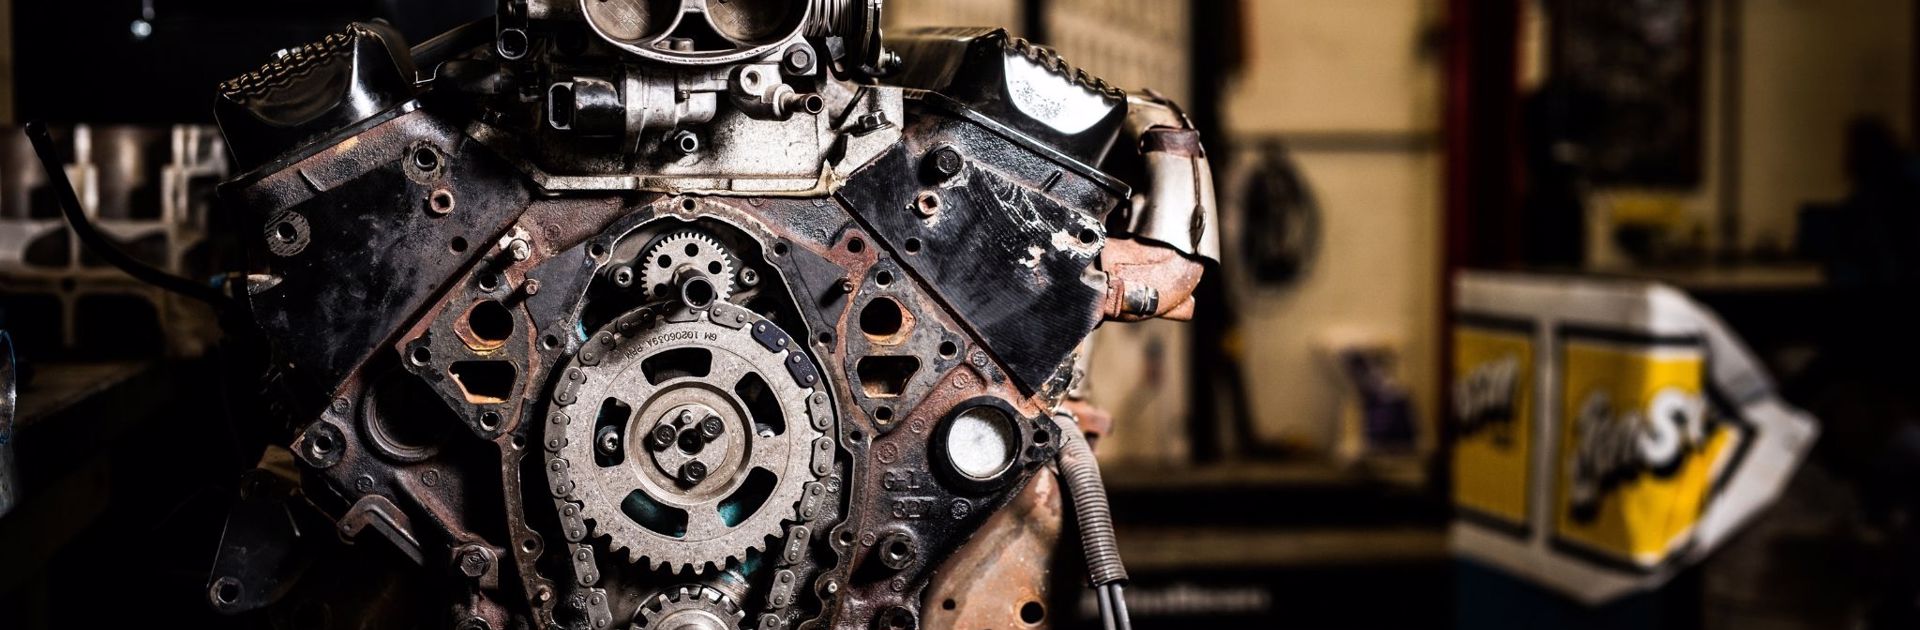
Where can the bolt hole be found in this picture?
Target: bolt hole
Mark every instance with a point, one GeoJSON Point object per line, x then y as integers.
{"type": "Point", "coordinates": [779, 249]}
{"type": "Point", "coordinates": [856, 245]}
{"type": "Point", "coordinates": [693, 249]}
{"type": "Point", "coordinates": [323, 444]}
{"type": "Point", "coordinates": [1040, 436]}
{"type": "Point", "coordinates": [227, 591]}
{"type": "Point", "coordinates": [1032, 613]}
{"type": "Point", "coordinates": [883, 414]}
{"type": "Point", "coordinates": [813, 104]}
{"type": "Point", "coordinates": [883, 278]}
{"type": "Point", "coordinates": [529, 545]}
{"type": "Point", "coordinates": [286, 232]}
{"type": "Point", "coordinates": [846, 537]}
{"type": "Point", "coordinates": [458, 244]}
{"type": "Point", "coordinates": [489, 420]}
{"type": "Point", "coordinates": [714, 267]}
{"type": "Point", "coordinates": [597, 250]}
{"type": "Point", "coordinates": [442, 201]}
{"type": "Point", "coordinates": [857, 436]}
{"type": "Point", "coordinates": [422, 356]}
{"type": "Point", "coordinates": [1088, 236]}
{"type": "Point", "coordinates": [826, 338]}
{"type": "Point", "coordinates": [549, 342]}
{"type": "Point", "coordinates": [898, 550]}
{"type": "Point", "coordinates": [426, 159]}
{"type": "Point", "coordinates": [949, 604]}
{"type": "Point", "coordinates": [513, 43]}
{"type": "Point", "coordinates": [517, 442]}
{"type": "Point", "coordinates": [948, 349]}
{"type": "Point", "coordinates": [913, 246]}
{"type": "Point", "coordinates": [489, 281]}
{"type": "Point", "coordinates": [687, 204]}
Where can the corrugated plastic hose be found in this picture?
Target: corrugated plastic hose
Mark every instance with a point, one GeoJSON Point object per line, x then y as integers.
{"type": "Point", "coordinates": [1105, 572]}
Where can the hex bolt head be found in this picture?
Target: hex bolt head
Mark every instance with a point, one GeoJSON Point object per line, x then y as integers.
{"type": "Point", "coordinates": [711, 427]}
{"type": "Point", "coordinates": [798, 60]}
{"type": "Point", "coordinates": [520, 249]}
{"type": "Point", "coordinates": [944, 163]}
{"type": "Point", "coordinates": [661, 438]}
{"type": "Point", "coordinates": [473, 563]}
{"type": "Point", "coordinates": [608, 440]}
{"type": "Point", "coordinates": [693, 472]}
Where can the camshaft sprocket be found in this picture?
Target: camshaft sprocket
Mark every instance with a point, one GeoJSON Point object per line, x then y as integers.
{"type": "Point", "coordinates": [710, 390]}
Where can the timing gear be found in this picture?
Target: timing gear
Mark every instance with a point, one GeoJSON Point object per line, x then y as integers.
{"type": "Point", "coordinates": [716, 423]}
{"type": "Point", "coordinates": [691, 607]}
{"type": "Point", "coordinates": [668, 263]}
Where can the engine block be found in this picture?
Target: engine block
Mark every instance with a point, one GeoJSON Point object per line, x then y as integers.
{"type": "Point", "coordinates": [663, 314]}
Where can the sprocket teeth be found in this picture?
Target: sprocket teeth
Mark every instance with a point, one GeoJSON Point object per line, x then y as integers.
{"type": "Point", "coordinates": [673, 249]}
{"type": "Point", "coordinates": [601, 493]}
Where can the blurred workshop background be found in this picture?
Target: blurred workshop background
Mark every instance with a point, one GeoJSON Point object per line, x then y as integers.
{"type": "Point", "coordinates": [1287, 460]}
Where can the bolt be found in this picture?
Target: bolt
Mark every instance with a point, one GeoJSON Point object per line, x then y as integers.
{"type": "Point", "coordinates": [531, 287]}
{"type": "Point", "coordinates": [661, 438]}
{"type": "Point", "coordinates": [845, 285]}
{"type": "Point", "coordinates": [473, 562]}
{"type": "Point", "coordinates": [686, 416]}
{"type": "Point", "coordinates": [869, 123]}
{"type": "Point", "coordinates": [608, 440]}
{"type": "Point", "coordinates": [519, 249]}
{"type": "Point", "coordinates": [749, 277]}
{"type": "Point", "coordinates": [944, 163]}
{"type": "Point", "coordinates": [711, 428]}
{"type": "Point", "coordinates": [799, 59]}
{"type": "Point", "coordinates": [693, 472]}
{"type": "Point", "coordinates": [622, 276]}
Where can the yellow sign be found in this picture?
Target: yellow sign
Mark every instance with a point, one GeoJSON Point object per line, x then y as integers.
{"type": "Point", "coordinates": [1637, 452]}
{"type": "Point", "coordinates": [1493, 422]}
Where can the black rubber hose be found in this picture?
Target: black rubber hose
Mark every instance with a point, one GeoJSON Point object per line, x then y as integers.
{"type": "Point", "coordinates": [98, 243]}
{"type": "Point", "coordinates": [1081, 474]}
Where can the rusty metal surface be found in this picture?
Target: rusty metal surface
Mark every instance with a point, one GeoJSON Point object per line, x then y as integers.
{"type": "Point", "coordinates": [1148, 281]}
{"type": "Point", "coordinates": [472, 314]}
{"type": "Point", "coordinates": [998, 577]}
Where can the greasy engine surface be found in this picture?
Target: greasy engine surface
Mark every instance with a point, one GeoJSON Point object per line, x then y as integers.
{"type": "Point", "coordinates": [632, 313]}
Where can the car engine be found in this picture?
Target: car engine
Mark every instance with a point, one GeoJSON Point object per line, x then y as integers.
{"type": "Point", "coordinates": [685, 313]}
